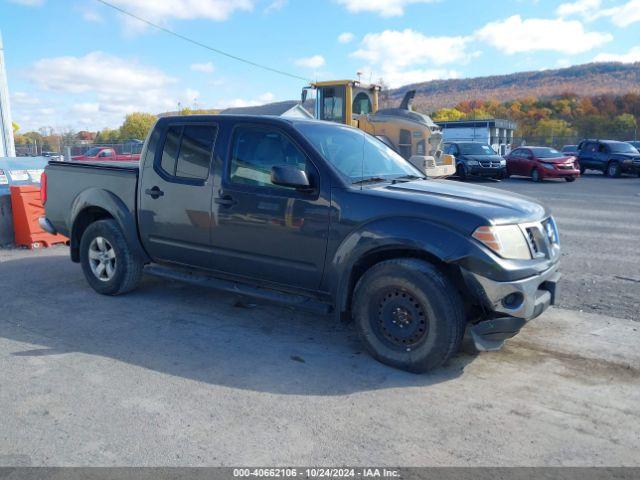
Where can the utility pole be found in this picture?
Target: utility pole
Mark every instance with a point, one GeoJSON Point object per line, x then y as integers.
{"type": "Point", "coordinates": [7, 146]}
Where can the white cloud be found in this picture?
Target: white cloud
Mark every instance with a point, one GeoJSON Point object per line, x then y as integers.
{"type": "Point", "coordinates": [631, 56]}
{"type": "Point", "coordinates": [28, 3]}
{"type": "Point", "coordinates": [92, 16]}
{"type": "Point", "coordinates": [23, 98]}
{"type": "Point", "coordinates": [346, 37]}
{"type": "Point", "coordinates": [266, 97]}
{"type": "Point", "coordinates": [85, 107]}
{"type": "Point", "coordinates": [96, 90]}
{"type": "Point", "coordinates": [384, 8]}
{"type": "Point", "coordinates": [202, 67]}
{"type": "Point", "coordinates": [160, 11]}
{"type": "Point", "coordinates": [623, 15]}
{"type": "Point", "coordinates": [515, 35]}
{"type": "Point", "coordinates": [98, 72]}
{"type": "Point", "coordinates": [276, 5]}
{"type": "Point", "coordinates": [315, 61]}
{"type": "Point", "coordinates": [585, 8]}
{"type": "Point", "coordinates": [407, 56]}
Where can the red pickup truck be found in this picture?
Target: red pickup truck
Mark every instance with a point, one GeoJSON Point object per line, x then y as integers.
{"type": "Point", "coordinates": [105, 154]}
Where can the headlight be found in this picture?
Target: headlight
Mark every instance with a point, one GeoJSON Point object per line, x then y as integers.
{"type": "Point", "coordinates": [472, 162]}
{"type": "Point", "coordinates": [548, 166]}
{"type": "Point", "coordinates": [503, 162]}
{"type": "Point", "coordinates": [508, 241]}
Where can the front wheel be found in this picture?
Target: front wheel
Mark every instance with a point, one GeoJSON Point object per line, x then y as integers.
{"type": "Point", "coordinates": [461, 172]}
{"type": "Point", "coordinates": [408, 314]}
{"type": "Point", "coordinates": [570, 179]}
{"type": "Point", "coordinates": [535, 175]}
{"type": "Point", "coordinates": [108, 264]}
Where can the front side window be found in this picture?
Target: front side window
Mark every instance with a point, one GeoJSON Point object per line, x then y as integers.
{"type": "Point", "coordinates": [187, 151]}
{"type": "Point", "coordinates": [106, 153]}
{"type": "Point", "coordinates": [256, 150]}
{"type": "Point", "coordinates": [355, 154]}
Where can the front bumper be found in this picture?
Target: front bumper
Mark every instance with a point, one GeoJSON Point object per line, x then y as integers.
{"type": "Point", "coordinates": [510, 305]}
{"type": "Point", "coordinates": [559, 173]}
{"type": "Point", "coordinates": [480, 171]}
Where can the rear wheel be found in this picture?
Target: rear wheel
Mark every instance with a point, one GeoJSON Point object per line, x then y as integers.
{"type": "Point", "coordinates": [535, 175]}
{"type": "Point", "coordinates": [408, 314]}
{"type": "Point", "coordinates": [613, 169]}
{"type": "Point", "coordinates": [582, 170]}
{"type": "Point", "coordinates": [108, 264]}
{"type": "Point", "coordinates": [570, 179]}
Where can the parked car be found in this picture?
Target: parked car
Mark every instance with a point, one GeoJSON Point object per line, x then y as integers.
{"type": "Point", "coordinates": [316, 215]}
{"type": "Point", "coordinates": [608, 156]}
{"type": "Point", "coordinates": [540, 163]}
{"type": "Point", "coordinates": [102, 154]}
{"type": "Point", "coordinates": [570, 150]}
{"type": "Point", "coordinates": [476, 159]}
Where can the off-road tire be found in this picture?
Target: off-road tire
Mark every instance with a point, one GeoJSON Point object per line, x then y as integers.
{"type": "Point", "coordinates": [438, 306]}
{"type": "Point", "coordinates": [128, 266]}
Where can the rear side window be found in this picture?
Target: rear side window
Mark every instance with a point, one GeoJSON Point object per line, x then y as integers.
{"type": "Point", "coordinates": [187, 151]}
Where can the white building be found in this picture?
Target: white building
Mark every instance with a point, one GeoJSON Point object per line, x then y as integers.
{"type": "Point", "coordinates": [7, 147]}
{"type": "Point", "coordinates": [495, 132]}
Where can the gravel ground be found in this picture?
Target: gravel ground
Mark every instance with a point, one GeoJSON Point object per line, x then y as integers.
{"type": "Point", "coordinates": [599, 222]}
{"type": "Point", "coordinates": [176, 375]}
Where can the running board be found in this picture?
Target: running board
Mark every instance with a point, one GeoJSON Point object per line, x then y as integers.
{"type": "Point", "coordinates": [204, 280]}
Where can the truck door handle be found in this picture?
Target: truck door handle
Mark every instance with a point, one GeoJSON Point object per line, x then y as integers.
{"type": "Point", "coordinates": [154, 192]}
{"type": "Point", "coordinates": [225, 201]}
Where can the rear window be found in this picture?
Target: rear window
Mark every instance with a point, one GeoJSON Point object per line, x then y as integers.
{"type": "Point", "coordinates": [187, 151]}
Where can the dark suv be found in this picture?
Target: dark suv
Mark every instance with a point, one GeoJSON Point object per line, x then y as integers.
{"type": "Point", "coordinates": [610, 157]}
{"type": "Point", "coordinates": [476, 159]}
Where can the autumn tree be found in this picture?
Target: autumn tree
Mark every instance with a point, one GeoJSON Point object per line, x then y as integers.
{"type": "Point", "coordinates": [137, 125]}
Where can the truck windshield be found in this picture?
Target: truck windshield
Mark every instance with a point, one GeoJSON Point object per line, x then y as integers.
{"type": "Point", "coordinates": [476, 149]}
{"type": "Point", "coordinates": [622, 147]}
{"type": "Point", "coordinates": [356, 155]}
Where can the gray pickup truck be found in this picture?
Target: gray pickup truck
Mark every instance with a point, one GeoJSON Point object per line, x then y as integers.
{"type": "Point", "coordinates": [316, 215]}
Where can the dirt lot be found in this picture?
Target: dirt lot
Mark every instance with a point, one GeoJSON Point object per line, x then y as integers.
{"type": "Point", "coordinates": [173, 374]}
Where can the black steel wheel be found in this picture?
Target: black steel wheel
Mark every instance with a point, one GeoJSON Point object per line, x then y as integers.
{"type": "Point", "coordinates": [408, 314]}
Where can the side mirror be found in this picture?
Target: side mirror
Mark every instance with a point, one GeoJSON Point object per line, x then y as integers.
{"type": "Point", "coordinates": [303, 96]}
{"type": "Point", "coordinates": [289, 176]}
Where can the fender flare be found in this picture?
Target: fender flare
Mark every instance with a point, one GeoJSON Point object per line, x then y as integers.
{"type": "Point", "coordinates": [419, 236]}
{"type": "Point", "coordinates": [114, 206]}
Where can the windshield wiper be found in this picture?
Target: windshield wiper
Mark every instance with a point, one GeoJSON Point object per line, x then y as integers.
{"type": "Point", "coordinates": [407, 178]}
{"type": "Point", "coordinates": [370, 180]}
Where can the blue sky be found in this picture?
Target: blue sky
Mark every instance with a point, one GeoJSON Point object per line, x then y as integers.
{"type": "Point", "coordinates": [81, 65]}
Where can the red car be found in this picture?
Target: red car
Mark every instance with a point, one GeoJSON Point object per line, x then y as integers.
{"type": "Point", "coordinates": [106, 153]}
{"type": "Point", "coordinates": [542, 162]}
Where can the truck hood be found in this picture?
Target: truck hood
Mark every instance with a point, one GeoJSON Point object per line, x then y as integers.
{"type": "Point", "coordinates": [474, 205]}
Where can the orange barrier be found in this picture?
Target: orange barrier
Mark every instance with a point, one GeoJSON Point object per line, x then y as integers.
{"type": "Point", "coordinates": [27, 209]}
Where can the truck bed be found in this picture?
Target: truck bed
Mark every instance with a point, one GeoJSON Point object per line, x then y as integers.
{"type": "Point", "coordinates": [67, 182]}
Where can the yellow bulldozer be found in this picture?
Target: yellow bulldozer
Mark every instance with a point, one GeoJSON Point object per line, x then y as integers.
{"type": "Point", "coordinates": [413, 135]}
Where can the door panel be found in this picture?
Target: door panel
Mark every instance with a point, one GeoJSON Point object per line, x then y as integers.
{"type": "Point", "coordinates": [175, 196]}
{"type": "Point", "coordinates": [265, 231]}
